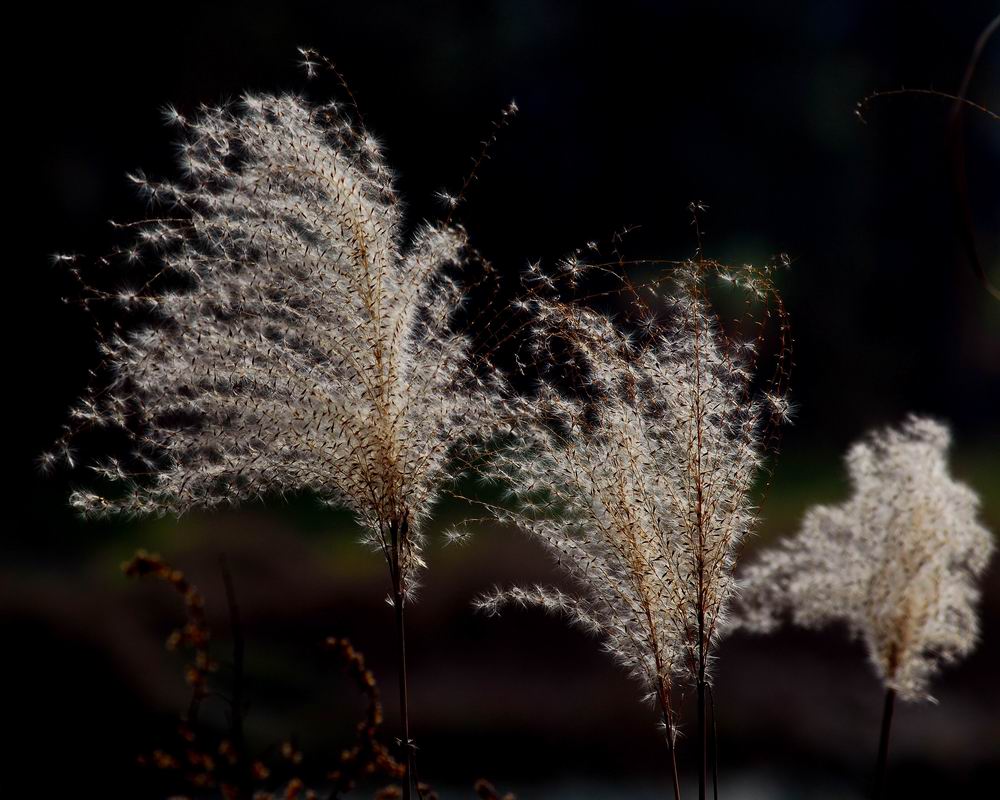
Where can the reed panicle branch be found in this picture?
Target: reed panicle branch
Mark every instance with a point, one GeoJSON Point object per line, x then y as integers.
{"type": "Point", "coordinates": [632, 464]}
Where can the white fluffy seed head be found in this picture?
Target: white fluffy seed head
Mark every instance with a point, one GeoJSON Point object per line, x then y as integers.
{"type": "Point", "coordinates": [300, 342]}
{"type": "Point", "coordinates": [897, 562]}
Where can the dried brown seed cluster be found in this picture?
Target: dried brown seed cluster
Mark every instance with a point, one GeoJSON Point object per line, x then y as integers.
{"type": "Point", "coordinates": [194, 634]}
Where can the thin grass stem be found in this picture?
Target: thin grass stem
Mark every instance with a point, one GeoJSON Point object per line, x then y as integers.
{"type": "Point", "coordinates": [883, 744]}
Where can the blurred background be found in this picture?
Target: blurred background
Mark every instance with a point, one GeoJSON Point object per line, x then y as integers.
{"type": "Point", "coordinates": [629, 111]}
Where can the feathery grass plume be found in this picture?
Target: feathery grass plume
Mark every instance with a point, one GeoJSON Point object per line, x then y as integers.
{"type": "Point", "coordinates": [896, 562]}
{"type": "Point", "coordinates": [299, 341]}
{"type": "Point", "coordinates": [638, 477]}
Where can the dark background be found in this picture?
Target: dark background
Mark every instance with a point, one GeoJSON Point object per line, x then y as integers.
{"type": "Point", "coordinates": [629, 111]}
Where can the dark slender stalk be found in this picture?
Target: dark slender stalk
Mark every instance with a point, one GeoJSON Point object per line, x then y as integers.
{"type": "Point", "coordinates": [668, 722]}
{"type": "Point", "coordinates": [883, 744]}
{"type": "Point", "coordinates": [956, 145]}
{"type": "Point", "coordinates": [699, 487]}
{"type": "Point", "coordinates": [673, 764]}
{"type": "Point", "coordinates": [702, 735]}
{"type": "Point", "coordinates": [404, 710]}
{"type": "Point", "coordinates": [237, 702]}
{"type": "Point", "coordinates": [399, 602]}
{"type": "Point", "coordinates": [715, 745]}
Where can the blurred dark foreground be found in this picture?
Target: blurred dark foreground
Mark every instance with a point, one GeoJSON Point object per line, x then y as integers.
{"type": "Point", "coordinates": [519, 699]}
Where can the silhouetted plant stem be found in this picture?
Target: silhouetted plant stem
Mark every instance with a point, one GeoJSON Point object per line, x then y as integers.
{"type": "Point", "coordinates": [959, 179]}
{"type": "Point", "coordinates": [239, 671]}
{"type": "Point", "coordinates": [673, 766]}
{"type": "Point", "coordinates": [700, 521]}
{"type": "Point", "coordinates": [715, 746]}
{"type": "Point", "coordinates": [883, 744]}
{"type": "Point", "coordinates": [701, 682]}
{"type": "Point", "coordinates": [702, 737]}
{"type": "Point", "coordinates": [668, 721]}
{"type": "Point", "coordinates": [702, 727]}
{"type": "Point", "coordinates": [398, 534]}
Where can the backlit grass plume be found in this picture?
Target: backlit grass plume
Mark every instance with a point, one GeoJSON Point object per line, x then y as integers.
{"type": "Point", "coordinates": [897, 562]}
{"type": "Point", "coordinates": [299, 340]}
{"type": "Point", "coordinates": [638, 480]}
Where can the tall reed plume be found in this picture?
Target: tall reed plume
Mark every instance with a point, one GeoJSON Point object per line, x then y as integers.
{"type": "Point", "coordinates": [295, 338]}
{"type": "Point", "coordinates": [896, 562]}
{"type": "Point", "coordinates": [638, 479]}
